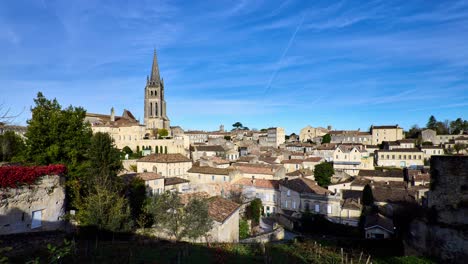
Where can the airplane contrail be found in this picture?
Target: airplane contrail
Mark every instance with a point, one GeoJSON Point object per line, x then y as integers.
{"type": "Point", "coordinates": [291, 40]}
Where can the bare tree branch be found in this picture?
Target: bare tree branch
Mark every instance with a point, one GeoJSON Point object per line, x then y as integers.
{"type": "Point", "coordinates": [6, 117]}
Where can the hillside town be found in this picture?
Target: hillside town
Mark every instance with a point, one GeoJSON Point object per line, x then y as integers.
{"type": "Point", "coordinates": [257, 185]}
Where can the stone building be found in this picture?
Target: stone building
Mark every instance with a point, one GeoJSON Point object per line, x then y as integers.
{"type": "Point", "coordinates": [34, 208]}
{"type": "Point", "coordinates": [386, 133]}
{"type": "Point", "coordinates": [275, 136]}
{"type": "Point", "coordinates": [168, 165]}
{"type": "Point", "coordinates": [260, 171]}
{"type": "Point", "coordinates": [399, 158]}
{"type": "Point", "coordinates": [432, 150]}
{"type": "Point", "coordinates": [301, 195]}
{"type": "Point", "coordinates": [308, 133]}
{"type": "Point", "coordinates": [430, 135]}
{"type": "Point", "coordinates": [350, 159]}
{"type": "Point", "coordinates": [350, 137]}
{"type": "Point", "coordinates": [265, 190]}
{"type": "Point", "coordinates": [126, 130]}
{"type": "Point", "coordinates": [225, 215]}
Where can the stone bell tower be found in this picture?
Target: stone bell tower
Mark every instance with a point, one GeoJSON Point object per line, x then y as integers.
{"type": "Point", "coordinates": [155, 105]}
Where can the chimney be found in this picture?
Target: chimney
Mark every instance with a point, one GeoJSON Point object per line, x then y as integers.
{"type": "Point", "coordinates": [112, 115]}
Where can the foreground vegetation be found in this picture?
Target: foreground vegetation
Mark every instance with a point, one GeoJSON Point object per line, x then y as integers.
{"type": "Point", "coordinates": [143, 250]}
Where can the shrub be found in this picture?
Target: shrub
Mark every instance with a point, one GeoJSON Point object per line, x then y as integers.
{"type": "Point", "coordinates": [13, 176]}
{"type": "Point", "coordinates": [243, 229]}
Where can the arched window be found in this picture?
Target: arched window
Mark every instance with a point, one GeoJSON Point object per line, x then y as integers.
{"type": "Point", "coordinates": [155, 169]}
{"type": "Point", "coordinates": [155, 109]}
{"type": "Point", "coordinates": [151, 109]}
{"type": "Point", "coordinates": [151, 93]}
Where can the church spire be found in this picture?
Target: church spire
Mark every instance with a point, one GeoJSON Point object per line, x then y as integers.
{"type": "Point", "coordinates": [155, 69]}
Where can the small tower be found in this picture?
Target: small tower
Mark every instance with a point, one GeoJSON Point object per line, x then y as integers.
{"type": "Point", "coordinates": [112, 115]}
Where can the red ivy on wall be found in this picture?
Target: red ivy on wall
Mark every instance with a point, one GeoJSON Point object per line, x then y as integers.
{"type": "Point", "coordinates": [13, 176]}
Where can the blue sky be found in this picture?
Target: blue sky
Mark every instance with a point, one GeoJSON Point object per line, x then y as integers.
{"type": "Point", "coordinates": [286, 63]}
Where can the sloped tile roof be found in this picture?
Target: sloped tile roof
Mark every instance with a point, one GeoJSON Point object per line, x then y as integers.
{"type": "Point", "coordinates": [258, 183]}
{"type": "Point", "coordinates": [379, 220]}
{"type": "Point", "coordinates": [379, 173]}
{"type": "Point", "coordinates": [303, 185]}
{"type": "Point", "coordinates": [256, 168]}
{"type": "Point", "coordinates": [174, 181]}
{"type": "Point", "coordinates": [148, 176]}
{"type": "Point", "coordinates": [210, 170]}
{"type": "Point", "coordinates": [220, 209]}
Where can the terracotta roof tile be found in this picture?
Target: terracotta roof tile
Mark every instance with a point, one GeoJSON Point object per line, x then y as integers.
{"type": "Point", "coordinates": [392, 195]}
{"type": "Point", "coordinates": [379, 173]}
{"type": "Point", "coordinates": [301, 173]}
{"type": "Point", "coordinates": [259, 183]}
{"type": "Point", "coordinates": [210, 170]}
{"type": "Point", "coordinates": [213, 148]}
{"type": "Point", "coordinates": [292, 161]}
{"type": "Point", "coordinates": [174, 181]}
{"type": "Point", "coordinates": [256, 168]}
{"type": "Point", "coordinates": [303, 185]}
{"type": "Point", "coordinates": [221, 209]}
{"type": "Point", "coordinates": [313, 159]}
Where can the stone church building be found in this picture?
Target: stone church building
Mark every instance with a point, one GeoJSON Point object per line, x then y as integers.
{"type": "Point", "coordinates": [126, 130]}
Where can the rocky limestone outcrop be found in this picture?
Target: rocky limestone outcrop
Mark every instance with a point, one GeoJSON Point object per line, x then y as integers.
{"type": "Point", "coordinates": [18, 204]}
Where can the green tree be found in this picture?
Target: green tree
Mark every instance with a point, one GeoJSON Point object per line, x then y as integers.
{"type": "Point", "coordinates": [457, 126]}
{"type": "Point", "coordinates": [104, 160]}
{"type": "Point", "coordinates": [243, 229]}
{"type": "Point", "coordinates": [136, 196]}
{"type": "Point", "coordinates": [105, 209]}
{"type": "Point", "coordinates": [197, 222]}
{"type": "Point", "coordinates": [227, 138]}
{"type": "Point", "coordinates": [459, 147]}
{"type": "Point", "coordinates": [323, 173]}
{"type": "Point", "coordinates": [326, 138]}
{"type": "Point", "coordinates": [178, 220]}
{"type": "Point", "coordinates": [432, 123]}
{"type": "Point", "coordinates": [127, 150]}
{"type": "Point", "coordinates": [442, 128]}
{"type": "Point", "coordinates": [57, 136]}
{"type": "Point", "coordinates": [237, 125]}
{"type": "Point", "coordinates": [162, 132]}
{"type": "Point", "coordinates": [11, 145]}
{"type": "Point", "coordinates": [413, 132]}
{"type": "Point", "coordinates": [254, 210]}
{"type": "Point", "coordinates": [367, 196]}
